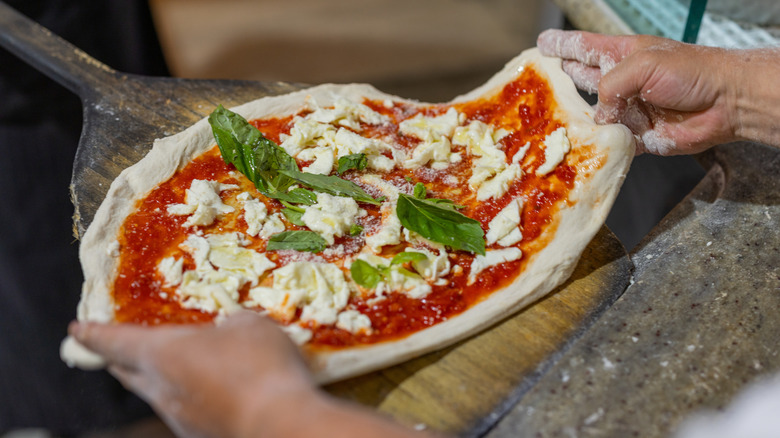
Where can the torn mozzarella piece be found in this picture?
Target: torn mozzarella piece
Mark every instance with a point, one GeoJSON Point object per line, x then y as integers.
{"type": "Point", "coordinates": [171, 270]}
{"type": "Point", "coordinates": [321, 157]}
{"type": "Point", "coordinates": [437, 152]}
{"type": "Point", "coordinates": [492, 258]}
{"type": "Point", "coordinates": [282, 304]}
{"type": "Point", "coordinates": [318, 288]}
{"type": "Point", "coordinates": [435, 266]}
{"type": "Point", "coordinates": [331, 216]}
{"type": "Point", "coordinates": [397, 279]}
{"type": "Point", "coordinates": [202, 202]}
{"type": "Point", "coordinates": [431, 128]}
{"type": "Point", "coordinates": [388, 190]}
{"type": "Point", "coordinates": [490, 175]}
{"type": "Point", "coordinates": [306, 133]}
{"type": "Point", "coordinates": [520, 154]}
{"type": "Point", "coordinates": [504, 228]}
{"type": "Point", "coordinates": [255, 213]}
{"type": "Point", "coordinates": [298, 334]}
{"type": "Point", "coordinates": [435, 146]}
{"type": "Point", "coordinates": [272, 225]}
{"type": "Point", "coordinates": [389, 232]}
{"type": "Point", "coordinates": [198, 247]}
{"type": "Point", "coordinates": [348, 113]}
{"type": "Point", "coordinates": [211, 291]}
{"type": "Point", "coordinates": [556, 146]}
{"type": "Point", "coordinates": [347, 142]}
{"type": "Point", "coordinates": [318, 137]}
{"type": "Point", "coordinates": [228, 255]}
{"type": "Point", "coordinates": [353, 322]}
{"type": "Point", "coordinates": [499, 184]}
{"type": "Point", "coordinates": [407, 283]}
{"type": "Point", "coordinates": [222, 267]}
{"type": "Point", "coordinates": [480, 138]}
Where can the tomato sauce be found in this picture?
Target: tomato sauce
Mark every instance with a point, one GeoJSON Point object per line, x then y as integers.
{"type": "Point", "coordinates": [524, 106]}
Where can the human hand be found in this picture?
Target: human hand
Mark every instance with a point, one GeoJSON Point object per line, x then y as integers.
{"type": "Point", "coordinates": [206, 380]}
{"type": "Point", "coordinates": [676, 98]}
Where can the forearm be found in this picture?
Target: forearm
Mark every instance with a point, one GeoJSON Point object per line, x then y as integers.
{"type": "Point", "coordinates": [756, 95]}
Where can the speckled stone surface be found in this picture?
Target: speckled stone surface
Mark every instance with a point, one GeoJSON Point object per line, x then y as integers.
{"type": "Point", "coordinates": [699, 322]}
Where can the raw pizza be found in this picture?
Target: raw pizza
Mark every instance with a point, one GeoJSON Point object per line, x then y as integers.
{"type": "Point", "coordinates": [370, 227]}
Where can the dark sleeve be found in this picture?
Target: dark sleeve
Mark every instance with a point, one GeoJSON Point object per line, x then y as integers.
{"type": "Point", "coordinates": [40, 277]}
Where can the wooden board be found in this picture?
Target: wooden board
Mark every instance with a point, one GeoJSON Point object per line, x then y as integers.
{"type": "Point", "coordinates": [466, 388]}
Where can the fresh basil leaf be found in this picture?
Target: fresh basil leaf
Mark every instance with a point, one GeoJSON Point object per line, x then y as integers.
{"type": "Point", "coordinates": [408, 256]}
{"type": "Point", "coordinates": [296, 196]}
{"type": "Point", "coordinates": [298, 241]}
{"type": "Point", "coordinates": [419, 191]}
{"type": "Point", "coordinates": [231, 135]}
{"type": "Point", "coordinates": [355, 229]}
{"type": "Point", "coordinates": [294, 216]}
{"type": "Point", "coordinates": [364, 274]}
{"type": "Point", "coordinates": [257, 157]}
{"type": "Point", "coordinates": [445, 203]}
{"type": "Point", "coordinates": [441, 223]}
{"type": "Point", "coordinates": [352, 161]}
{"type": "Point", "coordinates": [331, 185]}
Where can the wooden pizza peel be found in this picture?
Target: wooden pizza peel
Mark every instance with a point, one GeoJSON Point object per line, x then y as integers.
{"type": "Point", "coordinates": [464, 389]}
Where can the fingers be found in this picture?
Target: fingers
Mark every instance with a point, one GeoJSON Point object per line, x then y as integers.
{"type": "Point", "coordinates": [591, 49]}
{"type": "Point", "coordinates": [585, 77]}
{"type": "Point", "coordinates": [121, 344]}
{"type": "Point", "coordinates": [245, 317]}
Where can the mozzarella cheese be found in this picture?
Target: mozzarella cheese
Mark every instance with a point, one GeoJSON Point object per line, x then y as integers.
{"type": "Point", "coordinates": [331, 216]}
{"type": "Point", "coordinates": [211, 291]}
{"type": "Point", "coordinates": [397, 279]}
{"type": "Point", "coordinates": [202, 202]}
{"type": "Point", "coordinates": [435, 133]}
{"type": "Point", "coordinates": [389, 232]}
{"type": "Point", "coordinates": [556, 146]}
{"type": "Point", "coordinates": [171, 270]}
{"type": "Point", "coordinates": [499, 184]}
{"type": "Point", "coordinates": [492, 258]}
{"type": "Point", "coordinates": [490, 175]}
{"type": "Point", "coordinates": [281, 304]}
{"type": "Point", "coordinates": [322, 157]}
{"type": "Point", "coordinates": [347, 142]}
{"type": "Point", "coordinates": [435, 266]}
{"type": "Point", "coordinates": [353, 322]}
{"type": "Point", "coordinates": [298, 334]}
{"type": "Point", "coordinates": [348, 113]}
{"type": "Point", "coordinates": [222, 267]}
{"type": "Point", "coordinates": [272, 225]}
{"type": "Point", "coordinates": [407, 283]}
{"type": "Point", "coordinates": [318, 288]}
{"type": "Point", "coordinates": [228, 255]}
{"type": "Point", "coordinates": [504, 227]}
{"type": "Point", "coordinates": [431, 128]}
{"type": "Point", "coordinates": [255, 213]}
{"type": "Point", "coordinates": [325, 132]}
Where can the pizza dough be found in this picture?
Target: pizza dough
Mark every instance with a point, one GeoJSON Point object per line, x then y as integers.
{"type": "Point", "coordinates": [592, 196]}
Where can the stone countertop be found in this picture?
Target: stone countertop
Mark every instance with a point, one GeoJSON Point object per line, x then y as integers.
{"type": "Point", "coordinates": [696, 325]}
